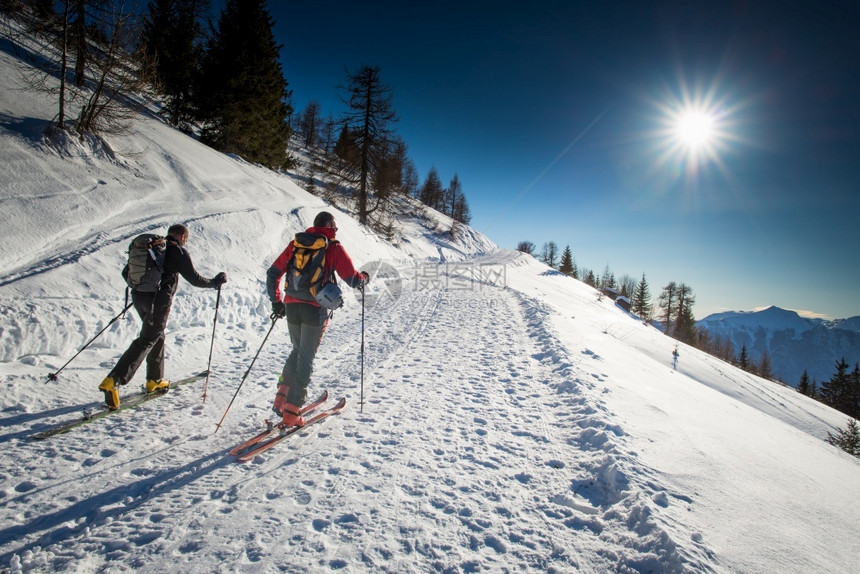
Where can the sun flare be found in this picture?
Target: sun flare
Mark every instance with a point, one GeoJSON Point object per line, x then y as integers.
{"type": "Point", "coordinates": [694, 133]}
{"type": "Point", "coordinates": [695, 128]}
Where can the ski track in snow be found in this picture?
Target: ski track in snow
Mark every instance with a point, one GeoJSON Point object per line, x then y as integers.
{"type": "Point", "coordinates": [554, 491]}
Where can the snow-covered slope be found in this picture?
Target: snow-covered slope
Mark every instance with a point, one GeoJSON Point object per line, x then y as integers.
{"type": "Point", "coordinates": [512, 421]}
{"type": "Point", "coordinates": [794, 343]}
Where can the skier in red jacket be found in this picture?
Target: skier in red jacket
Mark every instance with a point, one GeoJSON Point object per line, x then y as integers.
{"type": "Point", "coordinates": [306, 319]}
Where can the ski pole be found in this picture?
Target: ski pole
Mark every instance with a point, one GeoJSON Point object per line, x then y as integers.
{"type": "Point", "coordinates": [274, 319]}
{"type": "Point", "coordinates": [53, 376]}
{"type": "Point", "coordinates": [212, 344]}
{"type": "Point", "coordinates": [361, 401]}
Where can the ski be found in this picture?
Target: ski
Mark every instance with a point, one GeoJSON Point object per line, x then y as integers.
{"type": "Point", "coordinates": [102, 410]}
{"type": "Point", "coordinates": [273, 427]}
{"type": "Point", "coordinates": [285, 432]}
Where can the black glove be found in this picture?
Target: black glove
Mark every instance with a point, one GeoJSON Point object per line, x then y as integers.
{"type": "Point", "coordinates": [279, 309]}
{"type": "Point", "coordinates": [363, 279]}
{"type": "Point", "coordinates": [219, 279]}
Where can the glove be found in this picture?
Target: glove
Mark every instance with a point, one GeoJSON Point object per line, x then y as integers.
{"type": "Point", "coordinates": [279, 309]}
{"type": "Point", "coordinates": [363, 279]}
{"type": "Point", "coordinates": [219, 279]}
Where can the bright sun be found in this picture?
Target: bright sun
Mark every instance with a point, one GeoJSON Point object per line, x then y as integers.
{"type": "Point", "coordinates": [695, 128]}
{"type": "Point", "coordinates": [693, 132]}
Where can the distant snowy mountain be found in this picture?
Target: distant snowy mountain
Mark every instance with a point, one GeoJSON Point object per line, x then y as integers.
{"type": "Point", "coordinates": [852, 324]}
{"type": "Point", "coordinates": [794, 343]}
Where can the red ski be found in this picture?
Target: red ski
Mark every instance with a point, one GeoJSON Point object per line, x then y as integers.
{"type": "Point", "coordinates": [260, 447]}
{"type": "Point", "coordinates": [272, 426]}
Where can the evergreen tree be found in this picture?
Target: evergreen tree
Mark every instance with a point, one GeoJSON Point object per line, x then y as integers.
{"type": "Point", "coordinates": [765, 367]}
{"type": "Point", "coordinates": [836, 391]}
{"type": "Point", "coordinates": [568, 267]}
{"type": "Point", "coordinates": [431, 191]}
{"type": "Point", "coordinates": [668, 300]}
{"type": "Point", "coordinates": [804, 386]}
{"type": "Point", "coordinates": [157, 22]}
{"type": "Point", "coordinates": [172, 40]}
{"type": "Point", "coordinates": [453, 202]}
{"type": "Point", "coordinates": [345, 148]}
{"type": "Point", "coordinates": [310, 124]}
{"type": "Point", "coordinates": [641, 302]}
{"type": "Point", "coordinates": [589, 278]}
{"type": "Point", "coordinates": [242, 99]}
{"type": "Point", "coordinates": [462, 213]}
{"type": "Point", "coordinates": [854, 392]}
{"type": "Point", "coordinates": [370, 114]}
{"type": "Point", "coordinates": [685, 322]}
{"type": "Point", "coordinates": [744, 359]}
{"type": "Point", "coordinates": [847, 439]}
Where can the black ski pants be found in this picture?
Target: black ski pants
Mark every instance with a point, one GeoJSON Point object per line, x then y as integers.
{"type": "Point", "coordinates": [307, 324]}
{"type": "Point", "coordinates": [149, 344]}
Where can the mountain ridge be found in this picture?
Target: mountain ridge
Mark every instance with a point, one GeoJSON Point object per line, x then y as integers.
{"type": "Point", "coordinates": [794, 343]}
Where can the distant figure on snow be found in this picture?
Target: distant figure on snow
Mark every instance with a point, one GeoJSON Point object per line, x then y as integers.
{"type": "Point", "coordinates": [310, 291]}
{"type": "Point", "coordinates": [154, 309]}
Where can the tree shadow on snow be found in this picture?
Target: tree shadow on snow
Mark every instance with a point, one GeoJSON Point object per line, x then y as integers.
{"type": "Point", "coordinates": [29, 128]}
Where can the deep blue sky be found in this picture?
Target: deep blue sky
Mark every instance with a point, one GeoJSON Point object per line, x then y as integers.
{"type": "Point", "coordinates": [553, 115]}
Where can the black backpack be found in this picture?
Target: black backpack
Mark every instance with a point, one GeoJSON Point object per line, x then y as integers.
{"type": "Point", "coordinates": [306, 274]}
{"type": "Point", "coordinates": [145, 262]}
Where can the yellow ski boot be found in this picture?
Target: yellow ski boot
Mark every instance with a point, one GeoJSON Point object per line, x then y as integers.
{"type": "Point", "coordinates": [111, 393]}
{"type": "Point", "coordinates": [159, 385]}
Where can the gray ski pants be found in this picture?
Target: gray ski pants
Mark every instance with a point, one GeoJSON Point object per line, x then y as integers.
{"type": "Point", "coordinates": [307, 324]}
{"type": "Point", "coordinates": [149, 344]}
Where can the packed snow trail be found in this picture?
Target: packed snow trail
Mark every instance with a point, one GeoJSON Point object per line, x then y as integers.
{"type": "Point", "coordinates": [455, 463]}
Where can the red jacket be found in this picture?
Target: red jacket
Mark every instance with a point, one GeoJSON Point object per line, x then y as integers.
{"type": "Point", "coordinates": [336, 258]}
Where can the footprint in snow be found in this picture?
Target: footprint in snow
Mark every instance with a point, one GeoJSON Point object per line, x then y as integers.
{"type": "Point", "coordinates": [302, 497]}
{"type": "Point", "coordinates": [25, 486]}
